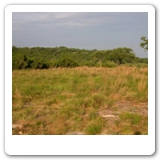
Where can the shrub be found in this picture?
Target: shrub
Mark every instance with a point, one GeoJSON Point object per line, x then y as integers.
{"type": "Point", "coordinates": [109, 64]}
{"type": "Point", "coordinates": [66, 62]}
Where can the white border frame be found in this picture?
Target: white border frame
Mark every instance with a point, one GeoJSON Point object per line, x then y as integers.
{"type": "Point", "coordinates": [79, 145]}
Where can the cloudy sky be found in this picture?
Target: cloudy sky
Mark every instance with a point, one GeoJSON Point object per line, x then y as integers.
{"type": "Point", "coordinates": [92, 30]}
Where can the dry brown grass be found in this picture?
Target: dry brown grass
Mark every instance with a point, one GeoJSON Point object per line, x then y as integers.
{"type": "Point", "coordinates": [62, 100]}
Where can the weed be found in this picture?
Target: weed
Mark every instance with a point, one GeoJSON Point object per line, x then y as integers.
{"type": "Point", "coordinates": [132, 117]}
{"type": "Point", "coordinates": [94, 127]}
{"type": "Point", "coordinates": [93, 115]}
{"type": "Point", "coordinates": [110, 103]}
{"type": "Point", "coordinates": [98, 100]}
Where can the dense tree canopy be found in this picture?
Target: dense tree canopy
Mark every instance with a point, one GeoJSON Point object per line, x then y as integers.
{"type": "Point", "coordinates": [43, 58]}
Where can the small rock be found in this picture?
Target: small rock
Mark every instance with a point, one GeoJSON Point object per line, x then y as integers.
{"type": "Point", "coordinates": [110, 116]}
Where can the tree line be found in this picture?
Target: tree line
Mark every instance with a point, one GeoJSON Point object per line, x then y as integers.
{"type": "Point", "coordinates": [47, 57]}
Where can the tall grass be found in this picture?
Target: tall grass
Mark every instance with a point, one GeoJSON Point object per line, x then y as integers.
{"type": "Point", "coordinates": [61, 100]}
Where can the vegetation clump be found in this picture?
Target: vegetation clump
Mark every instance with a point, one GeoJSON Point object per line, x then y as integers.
{"type": "Point", "coordinates": [66, 62]}
{"type": "Point", "coordinates": [44, 58]}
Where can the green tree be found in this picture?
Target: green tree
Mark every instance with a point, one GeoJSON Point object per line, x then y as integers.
{"type": "Point", "coordinates": [122, 55]}
{"type": "Point", "coordinates": [144, 44]}
{"type": "Point", "coordinates": [66, 62]}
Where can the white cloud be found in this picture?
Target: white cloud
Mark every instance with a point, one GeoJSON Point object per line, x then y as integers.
{"type": "Point", "coordinates": [59, 15]}
{"type": "Point", "coordinates": [78, 29]}
{"type": "Point", "coordinates": [67, 19]}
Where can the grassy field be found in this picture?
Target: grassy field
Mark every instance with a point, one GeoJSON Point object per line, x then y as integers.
{"type": "Point", "coordinates": [82, 100]}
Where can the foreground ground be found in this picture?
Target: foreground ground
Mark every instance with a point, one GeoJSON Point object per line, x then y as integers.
{"type": "Point", "coordinates": [83, 100]}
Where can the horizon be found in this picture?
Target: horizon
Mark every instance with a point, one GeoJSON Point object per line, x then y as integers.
{"type": "Point", "coordinates": [81, 30]}
{"type": "Point", "coordinates": [75, 48]}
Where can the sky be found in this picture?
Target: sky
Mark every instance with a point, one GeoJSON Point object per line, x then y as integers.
{"type": "Point", "coordinates": [83, 30]}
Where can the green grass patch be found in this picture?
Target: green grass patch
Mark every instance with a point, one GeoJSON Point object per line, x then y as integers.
{"type": "Point", "coordinates": [134, 118]}
{"type": "Point", "coordinates": [95, 126]}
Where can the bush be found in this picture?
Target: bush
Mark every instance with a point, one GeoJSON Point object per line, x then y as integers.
{"type": "Point", "coordinates": [109, 64]}
{"type": "Point", "coordinates": [141, 65]}
{"type": "Point", "coordinates": [66, 62]}
{"type": "Point", "coordinates": [40, 65]}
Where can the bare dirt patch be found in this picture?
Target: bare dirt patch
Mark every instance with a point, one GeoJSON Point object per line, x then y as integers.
{"type": "Point", "coordinates": [113, 117]}
{"type": "Point", "coordinates": [126, 106]}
